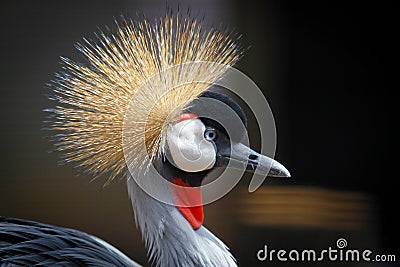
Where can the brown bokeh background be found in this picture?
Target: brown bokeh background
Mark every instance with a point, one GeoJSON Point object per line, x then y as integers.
{"type": "Point", "coordinates": [324, 68]}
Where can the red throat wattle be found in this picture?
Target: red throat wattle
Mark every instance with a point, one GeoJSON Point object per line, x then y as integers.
{"type": "Point", "coordinates": [188, 201]}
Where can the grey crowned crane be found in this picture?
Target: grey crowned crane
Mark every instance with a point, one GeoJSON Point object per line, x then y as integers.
{"type": "Point", "coordinates": [129, 110]}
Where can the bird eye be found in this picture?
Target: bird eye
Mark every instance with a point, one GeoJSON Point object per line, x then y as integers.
{"type": "Point", "coordinates": [210, 134]}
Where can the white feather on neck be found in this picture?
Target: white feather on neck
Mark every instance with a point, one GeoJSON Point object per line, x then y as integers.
{"type": "Point", "coordinates": [170, 239]}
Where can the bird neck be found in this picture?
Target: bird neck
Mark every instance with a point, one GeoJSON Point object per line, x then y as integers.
{"type": "Point", "coordinates": [169, 236]}
{"type": "Point", "coordinates": [186, 195]}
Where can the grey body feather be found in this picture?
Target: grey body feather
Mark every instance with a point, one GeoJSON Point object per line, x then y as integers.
{"type": "Point", "coordinates": [27, 243]}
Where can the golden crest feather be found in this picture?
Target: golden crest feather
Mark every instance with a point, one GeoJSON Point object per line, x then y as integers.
{"type": "Point", "coordinates": [135, 83]}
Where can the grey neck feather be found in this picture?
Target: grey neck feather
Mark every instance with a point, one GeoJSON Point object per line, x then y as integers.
{"type": "Point", "coordinates": [170, 239]}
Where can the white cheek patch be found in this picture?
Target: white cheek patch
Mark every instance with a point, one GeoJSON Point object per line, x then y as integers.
{"type": "Point", "coordinates": [189, 150]}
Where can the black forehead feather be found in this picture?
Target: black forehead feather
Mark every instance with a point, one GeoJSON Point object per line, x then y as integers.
{"type": "Point", "coordinates": [228, 101]}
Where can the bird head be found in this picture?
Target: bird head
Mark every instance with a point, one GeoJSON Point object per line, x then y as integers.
{"type": "Point", "coordinates": [197, 144]}
{"type": "Point", "coordinates": [132, 104]}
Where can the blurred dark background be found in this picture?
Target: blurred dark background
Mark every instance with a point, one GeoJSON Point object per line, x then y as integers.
{"type": "Point", "coordinates": [325, 68]}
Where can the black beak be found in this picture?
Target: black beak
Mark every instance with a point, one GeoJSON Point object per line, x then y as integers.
{"type": "Point", "coordinates": [241, 156]}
